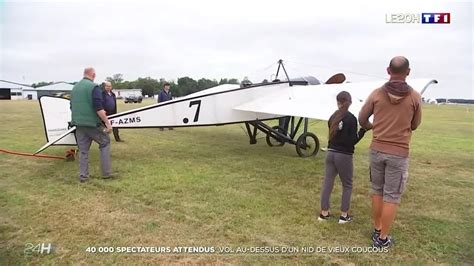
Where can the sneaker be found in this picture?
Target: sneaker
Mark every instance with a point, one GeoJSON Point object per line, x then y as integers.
{"type": "Point", "coordinates": [375, 234]}
{"type": "Point", "coordinates": [83, 179]}
{"type": "Point", "coordinates": [379, 243]}
{"type": "Point", "coordinates": [345, 219]}
{"type": "Point", "coordinates": [324, 218]}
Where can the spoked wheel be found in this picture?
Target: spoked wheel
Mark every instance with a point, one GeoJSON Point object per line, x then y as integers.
{"type": "Point", "coordinates": [307, 145]}
{"type": "Point", "coordinates": [272, 142]}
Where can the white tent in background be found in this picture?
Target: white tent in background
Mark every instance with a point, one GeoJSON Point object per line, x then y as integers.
{"type": "Point", "coordinates": [432, 101]}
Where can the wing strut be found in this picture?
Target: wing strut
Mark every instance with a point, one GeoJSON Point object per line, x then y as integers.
{"type": "Point", "coordinates": [280, 64]}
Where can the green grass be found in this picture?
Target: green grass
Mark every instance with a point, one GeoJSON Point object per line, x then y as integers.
{"type": "Point", "coordinates": [208, 187]}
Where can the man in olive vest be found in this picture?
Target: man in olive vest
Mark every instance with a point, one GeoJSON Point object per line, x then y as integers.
{"type": "Point", "coordinates": [91, 123]}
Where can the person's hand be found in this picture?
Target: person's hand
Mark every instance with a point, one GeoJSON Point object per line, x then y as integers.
{"type": "Point", "coordinates": [108, 128]}
{"type": "Point", "coordinates": [361, 132]}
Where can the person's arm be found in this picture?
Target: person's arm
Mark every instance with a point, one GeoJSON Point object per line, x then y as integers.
{"type": "Point", "coordinates": [97, 104]}
{"type": "Point", "coordinates": [360, 134]}
{"type": "Point", "coordinates": [416, 121]}
{"type": "Point", "coordinates": [115, 101]}
{"type": "Point", "coordinates": [366, 111]}
{"type": "Point", "coordinates": [355, 136]}
{"type": "Point", "coordinates": [160, 98]}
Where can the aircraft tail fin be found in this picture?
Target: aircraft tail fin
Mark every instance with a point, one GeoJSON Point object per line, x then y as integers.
{"type": "Point", "coordinates": [56, 114]}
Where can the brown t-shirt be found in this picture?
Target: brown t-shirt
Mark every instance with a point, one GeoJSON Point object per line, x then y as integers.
{"type": "Point", "coordinates": [395, 117]}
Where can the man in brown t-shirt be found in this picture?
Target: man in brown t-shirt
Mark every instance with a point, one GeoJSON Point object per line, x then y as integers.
{"type": "Point", "coordinates": [397, 112]}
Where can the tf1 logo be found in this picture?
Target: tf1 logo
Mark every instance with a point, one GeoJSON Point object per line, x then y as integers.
{"type": "Point", "coordinates": [424, 18]}
{"type": "Point", "coordinates": [436, 18]}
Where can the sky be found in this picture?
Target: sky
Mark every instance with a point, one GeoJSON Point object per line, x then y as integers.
{"type": "Point", "coordinates": [56, 40]}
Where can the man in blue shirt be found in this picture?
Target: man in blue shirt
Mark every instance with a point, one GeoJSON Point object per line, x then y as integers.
{"type": "Point", "coordinates": [165, 95]}
{"type": "Point", "coordinates": [109, 102]}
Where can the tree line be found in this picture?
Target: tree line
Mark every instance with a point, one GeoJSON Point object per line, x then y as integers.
{"type": "Point", "coordinates": [150, 86]}
{"type": "Point", "coordinates": [183, 86]}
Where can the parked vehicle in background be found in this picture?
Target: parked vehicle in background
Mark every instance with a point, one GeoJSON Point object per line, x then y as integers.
{"type": "Point", "coordinates": [133, 99]}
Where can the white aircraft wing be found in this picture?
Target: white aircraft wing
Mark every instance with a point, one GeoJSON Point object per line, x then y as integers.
{"type": "Point", "coordinates": [319, 101]}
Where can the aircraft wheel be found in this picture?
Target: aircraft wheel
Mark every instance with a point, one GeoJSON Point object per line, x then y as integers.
{"type": "Point", "coordinates": [307, 145]}
{"type": "Point", "coordinates": [272, 142]}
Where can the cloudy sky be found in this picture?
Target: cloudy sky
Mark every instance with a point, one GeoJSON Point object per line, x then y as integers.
{"type": "Point", "coordinates": [55, 40]}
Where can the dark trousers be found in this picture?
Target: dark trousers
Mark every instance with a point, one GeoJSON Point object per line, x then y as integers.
{"type": "Point", "coordinates": [337, 164]}
{"type": "Point", "coordinates": [116, 134]}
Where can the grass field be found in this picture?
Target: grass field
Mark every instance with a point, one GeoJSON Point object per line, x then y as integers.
{"type": "Point", "coordinates": [208, 187]}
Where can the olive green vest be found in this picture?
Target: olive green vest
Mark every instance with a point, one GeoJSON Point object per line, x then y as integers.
{"type": "Point", "coordinates": [83, 112]}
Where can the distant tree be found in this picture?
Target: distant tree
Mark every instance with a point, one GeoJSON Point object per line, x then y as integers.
{"type": "Point", "coordinates": [150, 86]}
{"type": "Point", "coordinates": [147, 85]}
{"type": "Point", "coordinates": [115, 80]}
{"type": "Point", "coordinates": [126, 85]}
{"type": "Point", "coordinates": [187, 86]}
{"type": "Point", "coordinates": [234, 81]}
{"type": "Point", "coordinates": [175, 90]}
{"type": "Point", "coordinates": [203, 84]}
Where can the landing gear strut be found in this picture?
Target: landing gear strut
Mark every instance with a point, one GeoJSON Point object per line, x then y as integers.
{"type": "Point", "coordinates": [307, 144]}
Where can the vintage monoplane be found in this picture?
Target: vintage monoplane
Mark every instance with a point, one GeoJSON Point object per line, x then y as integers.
{"type": "Point", "coordinates": [292, 101]}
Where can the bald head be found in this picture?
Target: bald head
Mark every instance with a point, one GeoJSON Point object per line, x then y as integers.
{"type": "Point", "coordinates": [399, 65]}
{"type": "Point", "coordinates": [399, 68]}
{"type": "Point", "coordinates": [89, 73]}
